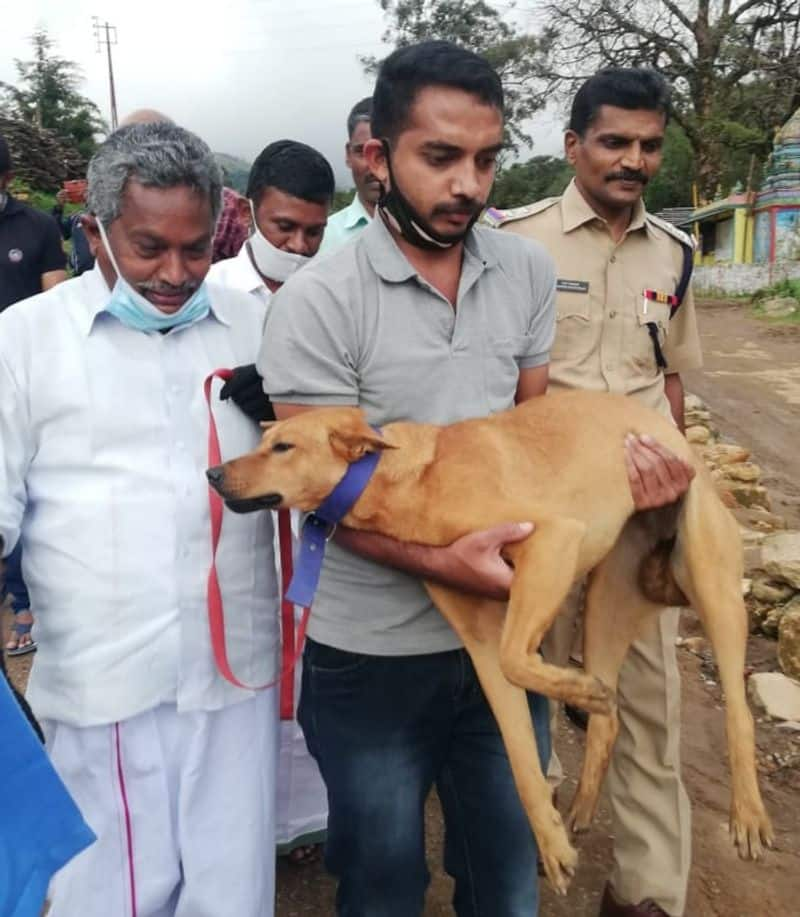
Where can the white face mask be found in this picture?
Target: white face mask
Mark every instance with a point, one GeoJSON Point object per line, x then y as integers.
{"type": "Point", "coordinates": [272, 262]}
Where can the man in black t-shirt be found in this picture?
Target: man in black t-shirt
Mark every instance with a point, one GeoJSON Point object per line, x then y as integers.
{"type": "Point", "coordinates": [31, 257]}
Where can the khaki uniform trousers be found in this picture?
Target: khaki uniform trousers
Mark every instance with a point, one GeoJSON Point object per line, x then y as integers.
{"type": "Point", "coordinates": [651, 816]}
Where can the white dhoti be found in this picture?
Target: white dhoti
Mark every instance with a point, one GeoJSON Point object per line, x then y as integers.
{"type": "Point", "coordinates": [183, 806]}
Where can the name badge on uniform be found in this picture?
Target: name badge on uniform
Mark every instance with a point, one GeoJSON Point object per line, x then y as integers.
{"type": "Point", "coordinates": [572, 286]}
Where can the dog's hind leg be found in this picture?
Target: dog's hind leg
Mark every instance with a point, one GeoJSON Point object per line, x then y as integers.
{"type": "Point", "coordinates": [707, 565]}
{"type": "Point", "coordinates": [545, 567]}
{"type": "Point", "coordinates": [614, 612]}
{"type": "Point", "coordinates": [479, 623]}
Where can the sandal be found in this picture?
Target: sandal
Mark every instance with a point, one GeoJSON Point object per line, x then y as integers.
{"type": "Point", "coordinates": [18, 645]}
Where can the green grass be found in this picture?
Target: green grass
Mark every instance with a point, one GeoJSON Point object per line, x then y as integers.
{"type": "Point", "coordinates": [784, 287]}
{"type": "Point", "coordinates": [761, 315]}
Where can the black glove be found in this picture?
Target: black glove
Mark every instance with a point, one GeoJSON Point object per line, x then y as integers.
{"type": "Point", "coordinates": [246, 389]}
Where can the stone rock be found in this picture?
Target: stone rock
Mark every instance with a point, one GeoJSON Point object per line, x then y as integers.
{"type": "Point", "coordinates": [725, 454]}
{"type": "Point", "coordinates": [775, 693]}
{"type": "Point", "coordinates": [780, 306]}
{"type": "Point", "coordinates": [751, 536]}
{"type": "Point", "coordinates": [780, 554]}
{"type": "Point", "coordinates": [698, 434]}
{"type": "Point", "coordinates": [695, 645]}
{"type": "Point", "coordinates": [762, 519]}
{"type": "Point", "coordinates": [746, 494]}
{"type": "Point", "coordinates": [771, 591]}
{"type": "Point", "coordinates": [789, 639]}
{"type": "Point", "coordinates": [757, 614]}
{"type": "Point", "coordinates": [771, 623]}
{"type": "Point", "coordinates": [742, 471]}
{"type": "Point", "coordinates": [747, 586]}
{"type": "Point", "coordinates": [692, 402]}
{"type": "Point", "coordinates": [701, 418]}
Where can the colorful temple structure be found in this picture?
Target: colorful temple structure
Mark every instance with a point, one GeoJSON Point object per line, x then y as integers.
{"type": "Point", "coordinates": [757, 227]}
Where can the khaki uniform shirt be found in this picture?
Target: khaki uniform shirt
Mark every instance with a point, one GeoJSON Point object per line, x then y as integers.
{"type": "Point", "coordinates": [602, 340]}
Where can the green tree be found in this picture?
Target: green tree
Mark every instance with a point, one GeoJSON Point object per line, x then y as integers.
{"type": "Point", "coordinates": [519, 58]}
{"type": "Point", "coordinates": [527, 182]}
{"type": "Point", "coordinates": [734, 66]}
{"type": "Point", "coordinates": [672, 187]}
{"type": "Point", "coordinates": [341, 199]}
{"type": "Point", "coordinates": [46, 94]}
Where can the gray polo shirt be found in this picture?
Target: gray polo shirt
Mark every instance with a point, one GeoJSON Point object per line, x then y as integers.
{"type": "Point", "coordinates": [361, 327]}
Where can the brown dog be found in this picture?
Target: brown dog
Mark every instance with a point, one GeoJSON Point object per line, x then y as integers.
{"type": "Point", "coordinates": [556, 461]}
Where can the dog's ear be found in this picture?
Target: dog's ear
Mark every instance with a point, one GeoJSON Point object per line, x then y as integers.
{"type": "Point", "coordinates": [353, 444]}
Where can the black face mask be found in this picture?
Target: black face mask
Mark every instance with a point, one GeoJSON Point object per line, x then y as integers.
{"type": "Point", "coordinates": [396, 210]}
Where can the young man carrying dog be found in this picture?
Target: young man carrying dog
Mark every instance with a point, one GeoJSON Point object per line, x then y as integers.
{"type": "Point", "coordinates": [618, 267]}
{"type": "Point", "coordinates": [104, 437]}
{"type": "Point", "coordinates": [423, 317]}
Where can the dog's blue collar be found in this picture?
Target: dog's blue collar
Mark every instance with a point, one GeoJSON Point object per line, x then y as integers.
{"type": "Point", "coordinates": [319, 527]}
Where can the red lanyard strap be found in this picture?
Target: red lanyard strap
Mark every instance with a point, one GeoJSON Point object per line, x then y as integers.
{"type": "Point", "coordinates": [292, 644]}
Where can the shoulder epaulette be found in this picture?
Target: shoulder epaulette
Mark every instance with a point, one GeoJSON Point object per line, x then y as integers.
{"type": "Point", "coordinates": [495, 217]}
{"type": "Point", "coordinates": [679, 235]}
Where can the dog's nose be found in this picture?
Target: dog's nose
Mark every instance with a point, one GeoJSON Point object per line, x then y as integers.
{"type": "Point", "coordinates": [215, 475]}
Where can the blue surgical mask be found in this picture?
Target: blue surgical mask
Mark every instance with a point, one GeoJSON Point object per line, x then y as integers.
{"type": "Point", "coordinates": [134, 310]}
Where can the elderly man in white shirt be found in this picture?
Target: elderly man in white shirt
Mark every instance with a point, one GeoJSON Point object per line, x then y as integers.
{"type": "Point", "coordinates": [289, 194]}
{"type": "Point", "coordinates": [104, 438]}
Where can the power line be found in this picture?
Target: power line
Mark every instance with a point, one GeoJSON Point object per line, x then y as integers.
{"type": "Point", "coordinates": [110, 39]}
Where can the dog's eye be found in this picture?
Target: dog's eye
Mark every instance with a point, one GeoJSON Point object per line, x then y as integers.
{"type": "Point", "coordinates": [282, 447]}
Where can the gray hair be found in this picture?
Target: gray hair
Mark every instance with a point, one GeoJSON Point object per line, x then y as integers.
{"type": "Point", "coordinates": [158, 155]}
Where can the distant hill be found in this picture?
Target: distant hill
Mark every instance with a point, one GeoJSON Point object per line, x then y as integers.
{"type": "Point", "coordinates": [236, 171]}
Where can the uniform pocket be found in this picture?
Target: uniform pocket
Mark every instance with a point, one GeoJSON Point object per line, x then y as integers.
{"type": "Point", "coordinates": [572, 326]}
{"type": "Point", "coordinates": [649, 315]}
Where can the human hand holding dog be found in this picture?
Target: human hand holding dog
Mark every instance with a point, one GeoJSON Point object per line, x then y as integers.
{"type": "Point", "coordinates": [656, 475]}
{"type": "Point", "coordinates": [474, 563]}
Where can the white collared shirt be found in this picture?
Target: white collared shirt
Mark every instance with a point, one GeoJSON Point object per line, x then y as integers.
{"type": "Point", "coordinates": [239, 273]}
{"type": "Point", "coordinates": [103, 450]}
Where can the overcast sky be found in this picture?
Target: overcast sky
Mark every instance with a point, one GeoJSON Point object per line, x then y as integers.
{"type": "Point", "coordinates": [241, 73]}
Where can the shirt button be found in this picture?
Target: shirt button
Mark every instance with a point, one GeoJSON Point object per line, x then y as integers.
{"type": "Point", "coordinates": [612, 314]}
{"type": "Point", "coordinates": [613, 259]}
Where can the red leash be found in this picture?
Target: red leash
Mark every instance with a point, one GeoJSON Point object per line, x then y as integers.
{"type": "Point", "coordinates": [292, 643]}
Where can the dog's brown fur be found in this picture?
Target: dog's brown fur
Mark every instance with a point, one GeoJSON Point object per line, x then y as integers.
{"type": "Point", "coordinates": [556, 461]}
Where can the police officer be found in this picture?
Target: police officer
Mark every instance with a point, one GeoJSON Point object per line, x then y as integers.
{"type": "Point", "coordinates": [626, 324]}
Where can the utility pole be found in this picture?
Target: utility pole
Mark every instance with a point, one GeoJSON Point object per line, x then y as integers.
{"type": "Point", "coordinates": [107, 39]}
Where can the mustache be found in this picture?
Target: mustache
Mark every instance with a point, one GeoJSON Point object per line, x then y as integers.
{"type": "Point", "coordinates": [628, 175]}
{"type": "Point", "coordinates": [166, 289]}
{"type": "Point", "coordinates": [467, 206]}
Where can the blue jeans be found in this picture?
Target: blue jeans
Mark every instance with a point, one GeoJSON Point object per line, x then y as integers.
{"type": "Point", "coordinates": [384, 730]}
{"type": "Point", "coordinates": [14, 582]}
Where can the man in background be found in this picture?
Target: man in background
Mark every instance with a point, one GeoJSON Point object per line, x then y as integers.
{"type": "Point", "coordinates": [31, 260]}
{"type": "Point", "coordinates": [348, 223]}
{"type": "Point", "coordinates": [289, 194]}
